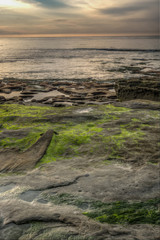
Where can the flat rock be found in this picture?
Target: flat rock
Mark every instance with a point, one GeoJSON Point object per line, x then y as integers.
{"type": "Point", "coordinates": [13, 160]}
{"type": "Point", "coordinates": [10, 95]}
{"type": "Point", "coordinates": [110, 182]}
{"type": "Point", "coordinates": [49, 201]}
{"type": "Point", "coordinates": [41, 96]}
{"type": "Point", "coordinates": [14, 133]}
{"type": "Point", "coordinates": [62, 104]}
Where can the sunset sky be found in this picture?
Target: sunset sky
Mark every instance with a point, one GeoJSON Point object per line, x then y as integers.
{"type": "Point", "coordinates": [78, 17]}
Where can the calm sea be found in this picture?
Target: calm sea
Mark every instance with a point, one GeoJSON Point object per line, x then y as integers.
{"type": "Point", "coordinates": [78, 58]}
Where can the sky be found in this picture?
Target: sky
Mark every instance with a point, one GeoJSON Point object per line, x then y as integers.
{"type": "Point", "coordinates": [78, 17]}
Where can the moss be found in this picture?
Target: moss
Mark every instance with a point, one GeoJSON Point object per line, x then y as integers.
{"type": "Point", "coordinates": [69, 199]}
{"type": "Point", "coordinates": [14, 117]}
{"type": "Point", "coordinates": [36, 226]}
{"type": "Point", "coordinates": [146, 212]}
{"type": "Point", "coordinates": [12, 110]}
{"type": "Point", "coordinates": [120, 212]}
{"type": "Point", "coordinates": [90, 138]}
{"type": "Point", "coordinates": [23, 143]}
{"type": "Point", "coordinates": [32, 231]}
{"type": "Point", "coordinates": [135, 120]}
{"type": "Point", "coordinates": [116, 143]}
{"type": "Point", "coordinates": [67, 143]}
{"type": "Point", "coordinates": [112, 108]}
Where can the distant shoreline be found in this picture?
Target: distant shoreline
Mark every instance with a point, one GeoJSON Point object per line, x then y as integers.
{"type": "Point", "coordinates": [78, 35]}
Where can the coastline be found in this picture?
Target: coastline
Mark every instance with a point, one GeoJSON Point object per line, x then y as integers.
{"type": "Point", "coordinates": [78, 162]}
{"type": "Point", "coordinates": [72, 93]}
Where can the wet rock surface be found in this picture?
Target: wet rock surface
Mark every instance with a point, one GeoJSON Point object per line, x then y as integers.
{"type": "Point", "coordinates": [96, 158]}
{"type": "Point", "coordinates": [25, 214]}
{"type": "Point", "coordinates": [144, 88]}
{"type": "Point", "coordinates": [58, 93]}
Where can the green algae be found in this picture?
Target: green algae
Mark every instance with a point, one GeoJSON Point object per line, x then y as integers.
{"type": "Point", "coordinates": [135, 120]}
{"type": "Point", "coordinates": [8, 110]}
{"type": "Point", "coordinates": [118, 212]}
{"type": "Point", "coordinates": [123, 212]}
{"type": "Point", "coordinates": [23, 143]}
{"type": "Point", "coordinates": [115, 143]}
{"type": "Point", "coordinates": [89, 137]}
{"type": "Point", "coordinates": [112, 108]}
{"type": "Point", "coordinates": [69, 199]}
{"type": "Point", "coordinates": [68, 141]}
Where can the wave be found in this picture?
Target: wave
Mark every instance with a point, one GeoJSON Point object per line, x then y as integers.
{"type": "Point", "coordinates": [93, 49]}
{"type": "Point", "coordinates": [117, 49]}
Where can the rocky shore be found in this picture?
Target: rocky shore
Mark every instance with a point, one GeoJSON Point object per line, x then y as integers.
{"type": "Point", "coordinates": [57, 93]}
{"type": "Point", "coordinates": [78, 162]}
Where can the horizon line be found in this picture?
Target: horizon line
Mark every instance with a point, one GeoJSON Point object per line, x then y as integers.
{"type": "Point", "coordinates": [76, 35]}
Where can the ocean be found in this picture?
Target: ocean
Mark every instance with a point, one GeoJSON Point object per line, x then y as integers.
{"type": "Point", "coordinates": [78, 58]}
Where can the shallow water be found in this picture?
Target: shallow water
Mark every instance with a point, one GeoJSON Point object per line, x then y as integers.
{"type": "Point", "coordinates": [78, 58]}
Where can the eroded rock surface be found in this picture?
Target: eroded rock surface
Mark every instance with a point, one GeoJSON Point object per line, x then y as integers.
{"type": "Point", "coordinates": [43, 217]}
{"type": "Point", "coordinates": [100, 158]}
{"type": "Point", "coordinates": [144, 88]}
{"type": "Point", "coordinates": [14, 160]}
{"type": "Point", "coordinates": [57, 93]}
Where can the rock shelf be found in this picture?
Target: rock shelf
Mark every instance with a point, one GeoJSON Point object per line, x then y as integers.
{"type": "Point", "coordinates": [58, 93]}
{"type": "Point", "coordinates": [78, 164]}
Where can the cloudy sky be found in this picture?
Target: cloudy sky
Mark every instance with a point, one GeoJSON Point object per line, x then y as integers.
{"type": "Point", "coordinates": [78, 17]}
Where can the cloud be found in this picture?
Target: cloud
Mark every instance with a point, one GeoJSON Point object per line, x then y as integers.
{"type": "Point", "coordinates": [128, 8]}
{"type": "Point", "coordinates": [53, 3]}
{"type": "Point", "coordinates": [81, 17]}
{"type": "Point", "coordinates": [5, 32]}
{"type": "Point", "coordinates": [56, 4]}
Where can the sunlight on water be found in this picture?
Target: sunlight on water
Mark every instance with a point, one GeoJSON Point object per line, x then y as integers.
{"type": "Point", "coordinates": [97, 58]}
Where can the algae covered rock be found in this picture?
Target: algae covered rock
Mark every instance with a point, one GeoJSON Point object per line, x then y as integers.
{"type": "Point", "coordinates": [97, 169]}
{"type": "Point", "coordinates": [145, 88]}
{"type": "Point", "coordinates": [14, 160]}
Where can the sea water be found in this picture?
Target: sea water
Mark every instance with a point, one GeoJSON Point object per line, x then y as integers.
{"type": "Point", "coordinates": [78, 58]}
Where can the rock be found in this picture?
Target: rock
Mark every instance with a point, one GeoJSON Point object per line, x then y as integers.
{"type": "Point", "coordinates": [111, 95]}
{"type": "Point", "coordinates": [46, 95]}
{"type": "Point", "coordinates": [48, 101]}
{"type": "Point", "coordinates": [6, 90]}
{"type": "Point", "coordinates": [139, 104]}
{"type": "Point", "coordinates": [24, 96]}
{"type": "Point", "coordinates": [111, 154]}
{"type": "Point", "coordinates": [11, 232]}
{"type": "Point", "coordinates": [79, 102]}
{"type": "Point", "coordinates": [2, 99]}
{"type": "Point", "coordinates": [98, 92]}
{"type": "Point", "coordinates": [14, 133]}
{"type": "Point", "coordinates": [62, 104]}
{"type": "Point", "coordinates": [59, 91]}
{"type": "Point", "coordinates": [13, 160]}
{"type": "Point", "coordinates": [148, 88]}
{"type": "Point", "coordinates": [75, 98]}
{"type": "Point", "coordinates": [95, 103]}
{"type": "Point", "coordinates": [28, 92]}
{"type": "Point", "coordinates": [2, 84]}
{"type": "Point", "coordinates": [115, 181]}
{"type": "Point", "coordinates": [108, 85]}
{"type": "Point", "coordinates": [60, 98]}
{"type": "Point", "coordinates": [62, 83]}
